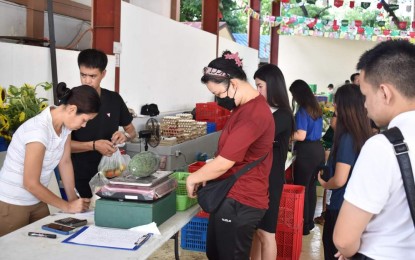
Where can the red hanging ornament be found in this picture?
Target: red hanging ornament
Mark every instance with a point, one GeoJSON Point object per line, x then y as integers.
{"type": "Point", "coordinates": [402, 25]}
{"type": "Point", "coordinates": [311, 25]}
{"type": "Point", "coordinates": [351, 4]}
{"type": "Point", "coordinates": [338, 3]}
{"type": "Point", "coordinates": [379, 5]}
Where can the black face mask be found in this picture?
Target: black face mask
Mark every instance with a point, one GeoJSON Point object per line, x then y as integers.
{"type": "Point", "coordinates": [227, 102]}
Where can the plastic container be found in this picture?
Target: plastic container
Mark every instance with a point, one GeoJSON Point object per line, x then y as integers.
{"type": "Point", "coordinates": [210, 127]}
{"type": "Point", "coordinates": [289, 231]}
{"type": "Point", "coordinates": [183, 201]}
{"type": "Point", "coordinates": [289, 242]}
{"type": "Point", "coordinates": [209, 111]}
{"type": "Point", "coordinates": [202, 214]}
{"type": "Point", "coordinates": [291, 206]}
{"type": "Point", "coordinates": [195, 166]}
{"type": "Point", "coordinates": [194, 234]}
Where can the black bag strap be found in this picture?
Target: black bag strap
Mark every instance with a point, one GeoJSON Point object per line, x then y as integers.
{"type": "Point", "coordinates": [395, 136]}
{"type": "Point", "coordinates": [248, 167]}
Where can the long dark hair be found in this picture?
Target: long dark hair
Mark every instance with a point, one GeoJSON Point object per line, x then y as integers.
{"type": "Point", "coordinates": [305, 98]}
{"type": "Point", "coordinates": [277, 95]}
{"type": "Point", "coordinates": [351, 117]}
{"type": "Point", "coordinates": [84, 97]}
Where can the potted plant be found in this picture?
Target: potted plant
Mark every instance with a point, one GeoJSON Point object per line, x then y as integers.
{"type": "Point", "coordinates": [19, 104]}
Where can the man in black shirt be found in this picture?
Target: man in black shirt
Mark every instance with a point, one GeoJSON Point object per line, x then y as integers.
{"type": "Point", "coordinates": [101, 134]}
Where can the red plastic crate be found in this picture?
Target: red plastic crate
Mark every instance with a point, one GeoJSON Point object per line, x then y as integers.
{"type": "Point", "coordinates": [202, 214]}
{"type": "Point", "coordinates": [209, 111]}
{"type": "Point", "coordinates": [291, 206]}
{"type": "Point", "coordinates": [289, 242]}
{"type": "Point", "coordinates": [196, 166]}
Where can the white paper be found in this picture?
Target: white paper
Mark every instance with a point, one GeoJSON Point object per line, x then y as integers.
{"type": "Point", "coordinates": [109, 237]}
{"type": "Point", "coordinates": [145, 229]}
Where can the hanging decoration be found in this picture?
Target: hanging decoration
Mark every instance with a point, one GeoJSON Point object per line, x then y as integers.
{"type": "Point", "coordinates": [344, 29]}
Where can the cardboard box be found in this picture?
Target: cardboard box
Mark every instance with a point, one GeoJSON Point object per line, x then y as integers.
{"type": "Point", "coordinates": [128, 214]}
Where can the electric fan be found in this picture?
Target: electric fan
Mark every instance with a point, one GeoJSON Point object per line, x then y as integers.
{"type": "Point", "coordinates": [151, 134]}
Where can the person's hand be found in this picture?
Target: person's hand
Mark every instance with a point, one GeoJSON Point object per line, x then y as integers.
{"type": "Point", "coordinates": [105, 147]}
{"type": "Point", "coordinates": [79, 205]}
{"type": "Point", "coordinates": [119, 137]}
{"type": "Point", "coordinates": [322, 182]}
{"type": "Point", "coordinates": [340, 256]}
{"type": "Point", "coordinates": [191, 187]}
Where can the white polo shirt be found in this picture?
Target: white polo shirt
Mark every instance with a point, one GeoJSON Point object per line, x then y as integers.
{"type": "Point", "coordinates": [37, 129]}
{"type": "Point", "coordinates": [376, 186]}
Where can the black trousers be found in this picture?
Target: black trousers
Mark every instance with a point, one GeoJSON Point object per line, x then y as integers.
{"type": "Point", "coordinates": [230, 231]}
{"type": "Point", "coordinates": [309, 156]}
{"type": "Point", "coordinates": [330, 249]}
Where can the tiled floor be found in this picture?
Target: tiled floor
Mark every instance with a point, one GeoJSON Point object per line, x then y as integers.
{"type": "Point", "coordinates": [312, 248]}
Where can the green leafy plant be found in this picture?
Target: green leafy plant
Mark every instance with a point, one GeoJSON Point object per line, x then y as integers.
{"type": "Point", "coordinates": [19, 104]}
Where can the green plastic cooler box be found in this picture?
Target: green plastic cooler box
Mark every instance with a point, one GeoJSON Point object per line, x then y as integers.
{"type": "Point", "coordinates": [128, 214]}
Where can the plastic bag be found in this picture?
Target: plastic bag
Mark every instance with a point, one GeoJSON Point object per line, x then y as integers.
{"type": "Point", "coordinates": [96, 184]}
{"type": "Point", "coordinates": [112, 166]}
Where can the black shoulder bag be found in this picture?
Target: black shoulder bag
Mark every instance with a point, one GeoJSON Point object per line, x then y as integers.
{"type": "Point", "coordinates": [394, 136]}
{"type": "Point", "coordinates": [211, 196]}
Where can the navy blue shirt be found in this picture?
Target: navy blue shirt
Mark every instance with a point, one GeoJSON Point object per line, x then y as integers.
{"type": "Point", "coordinates": [304, 121]}
{"type": "Point", "coordinates": [345, 154]}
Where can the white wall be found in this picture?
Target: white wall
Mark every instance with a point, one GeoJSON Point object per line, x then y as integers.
{"type": "Point", "coordinates": [29, 64]}
{"type": "Point", "coordinates": [319, 61]}
{"type": "Point", "coordinates": [163, 63]}
{"type": "Point", "coordinates": [161, 7]}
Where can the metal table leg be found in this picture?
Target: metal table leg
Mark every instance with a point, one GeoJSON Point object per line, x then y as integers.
{"type": "Point", "coordinates": [176, 245]}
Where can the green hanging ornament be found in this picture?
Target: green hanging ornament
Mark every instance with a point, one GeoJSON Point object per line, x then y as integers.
{"type": "Point", "coordinates": [344, 28]}
{"type": "Point", "coordinates": [345, 22]}
{"type": "Point", "coordinates": [393, 7]}
{"type": "Point", "coordinates": [365, 5]}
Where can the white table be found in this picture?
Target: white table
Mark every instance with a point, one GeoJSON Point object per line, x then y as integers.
{"type": "Point", "coordinates": [18, 245]}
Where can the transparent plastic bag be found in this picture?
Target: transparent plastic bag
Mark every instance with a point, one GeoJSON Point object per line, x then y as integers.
{"type": "Point", "coordinates": [96, 184]}
{"type": "Point", "coordinates": [112, 166]}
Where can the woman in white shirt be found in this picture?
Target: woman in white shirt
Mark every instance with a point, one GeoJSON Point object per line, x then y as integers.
{"type": "Point", "coordinates": [37, 147]}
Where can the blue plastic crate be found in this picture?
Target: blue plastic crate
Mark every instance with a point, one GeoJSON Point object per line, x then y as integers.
{"type": "Point", "coordinates": [210, 127]}
{"type": "Point", "coordinates": [194, 234]}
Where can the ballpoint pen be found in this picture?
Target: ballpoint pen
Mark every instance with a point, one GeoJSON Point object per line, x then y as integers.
{"type": "Point", "coordinates": [37, 234]}
{"type": "Point", "coordinates": [77, 193]}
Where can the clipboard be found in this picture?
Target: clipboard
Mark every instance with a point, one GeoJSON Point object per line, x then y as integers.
{"type": "Point", "coordinates": [132, 245]}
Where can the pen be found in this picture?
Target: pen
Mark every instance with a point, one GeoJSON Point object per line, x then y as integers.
{"type": "Point", "coordinates": [142, 239]}
{"type": "Point", "coordinates": [36, 234]}
{"type": "Point", "coordinates": [77, 193]}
